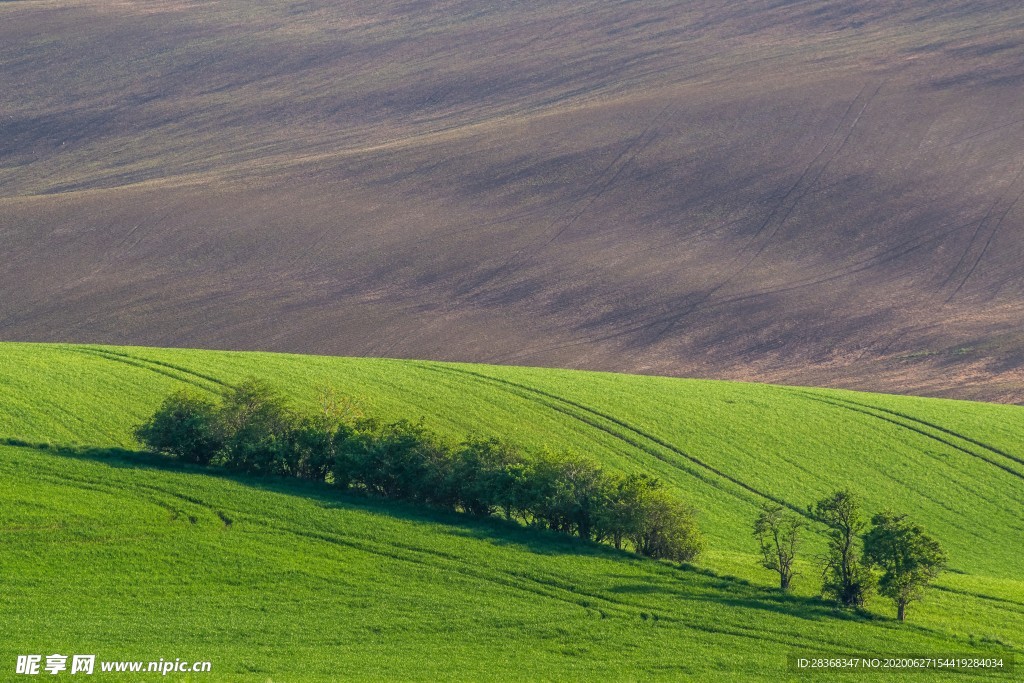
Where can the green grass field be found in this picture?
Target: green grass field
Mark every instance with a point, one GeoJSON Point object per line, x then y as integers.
{"type": "Point", "coordinates": [111, 551]}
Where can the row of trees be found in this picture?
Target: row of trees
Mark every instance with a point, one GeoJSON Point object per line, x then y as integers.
{"type": "Point", "coordinates": [893, 555]}
{"type": "Point", "coordinates": [253, 429]}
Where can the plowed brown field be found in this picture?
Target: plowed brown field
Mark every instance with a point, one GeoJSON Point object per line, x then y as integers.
{"type": "Point", "coordinates": [798, 191]}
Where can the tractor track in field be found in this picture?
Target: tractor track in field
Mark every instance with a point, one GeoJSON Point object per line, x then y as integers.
{"type": "Point", "coordinates": [981, 444]}
{"type": "Point", "coordinates": [147, 492]}
{"type": "Point", "coordinates": [986, 219]}
{"type": "Point", "coordinates": [920, 427]}
{"type": "Point", "coordinates": [549, 588]}
{"type": "Point", "coordinates": [882, 258]}
{"type": "Point", "coordinates": [674, 317]}
{"type": "Point", "coordinates": [625, 432]}
{"type": "Point", "coordinates": [160, 367]}
{"type": "Point", "coordinates": [594, 191]}
{"type": "Point", "coordinates": [786, 205]}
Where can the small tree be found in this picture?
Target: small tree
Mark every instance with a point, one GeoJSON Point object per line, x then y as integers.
{"type": "Point", "coordinates": [489, 473]}
{"type": "Point", "coordinates": [185, 426]}
{"type": "Point", "coordinates": [667, 528]}
{"type": "Point", "coordinates": [909, 558]}
{"type": "Point", "coordinates": [845, 579]}
{"type": "Point", "coordinates": [778, 533]}
{"type": "Point", "coordinates": [620, 517]}
{"type": "Point", "coordinates": [258, 426]}
{"type": "Point", "coordinates": [581, 493]}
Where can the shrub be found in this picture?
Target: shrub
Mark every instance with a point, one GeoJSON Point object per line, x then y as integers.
{"type": "Point", "coordinates": [621, 514]}
{"type": "Point", "coordinates": [487, 475]}
{"type": "Point", "coordinates": [667, 528]}
{"type": "Point", "coordinates": [255, 430]}
{"type": "Point", "coordinates": [397, 460]}
{"type": "Point", "coordinates": [258, 427]}
{"type": "Point", "coordinates": [184, 426]}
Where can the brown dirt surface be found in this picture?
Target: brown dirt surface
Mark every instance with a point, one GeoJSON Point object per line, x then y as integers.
{"type": "Point", "coordinates": [795, 191]}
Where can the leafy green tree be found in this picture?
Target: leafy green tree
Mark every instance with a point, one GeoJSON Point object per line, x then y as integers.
{"type": "Point", "coordinates": [315, 437]}
{"type": "Point", "coordinates": [845, 578]}
{"type": "Point", "coordinates": [313, 447]}
{"type": "Point", "coordinates": [580, 494]}
{"type": "Point", "coordinates": [621, 515]}
{"type": "Point", "coordinates": [351, 448]}
{"type": "Point", "coordinates": [544, 500]}
{"type": "Point", "coordinates": [667, 528]}
{"type": "Point", "coordinates": [184, 426]}
{"type": "Point", "coordinates": [489, 474]}
{"type": "Point", "coordinates": [779, 535]}
{"type": "Point", "coordinates": [258, 424]}
{"type": "Point", "coordinates": [400, 460]}
{"type": "Point", "coordinates": [909, 558]}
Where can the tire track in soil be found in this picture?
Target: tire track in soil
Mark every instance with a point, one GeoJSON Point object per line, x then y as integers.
{"type": "Point", "coordinates": [781, 206]}
{"type": "Point", "coordinates": [580, 206]}
{"type": "Point", "coordinates": [981, 225]}
{"type": "Point", "coordinates": [880, 259]}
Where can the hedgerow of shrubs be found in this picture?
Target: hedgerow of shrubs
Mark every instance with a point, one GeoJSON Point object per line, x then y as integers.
{"type": "Point", "coordinates": [253, 429]}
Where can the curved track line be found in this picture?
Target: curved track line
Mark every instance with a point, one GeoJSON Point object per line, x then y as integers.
{"type": "Point", "coordinates": [886, 256]}
{"type": "Point", "coordinates": [553, 400]}
{"type": "Point", "coordinates": [866, 410]}
{"type": "Point", "coordinates": [988, 243]}
{"type": "Point", "coordinates": [981, 444]}
{"type": "Point", "coordinates": [737, 271]}
{"type": "Point", "coordinates": [981, 225]}
{"type": "Point", "coordinates": [580, 206]}
{"type": "Point", "coordinates": [153, 366]}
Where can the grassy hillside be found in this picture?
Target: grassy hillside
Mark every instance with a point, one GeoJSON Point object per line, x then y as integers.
{"type": "Point", "coordinates": [798, 191]}
{"type": "Point", "coordinates": [136, 557]}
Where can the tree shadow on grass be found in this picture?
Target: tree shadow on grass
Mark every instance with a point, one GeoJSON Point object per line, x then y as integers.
{"type": "Point", "coordinates": [698, 584]}
{"type": "Point", "coordinates": [490, 529]}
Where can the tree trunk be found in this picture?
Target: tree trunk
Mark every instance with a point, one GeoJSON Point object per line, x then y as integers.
{"type": "Point", "coordinates": [901, 611]}
{"type": "Point", "coordinates": [784, 581]}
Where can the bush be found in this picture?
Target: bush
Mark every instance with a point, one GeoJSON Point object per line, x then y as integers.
{"type": "Point", "coordinates": [185, 426]}
{"type": "Point", "coordinates": [399, 460]}
{"type": "Point", "coordinates": [259, 428]}
{"type": "Point", "coordinates": [667, 528]}
{"type": "Point", "coordinates": [487, 475]}
{"type": "Point", "coordinates": [314, 445]}
{"type": "Point", "coordinates": [621, 515]}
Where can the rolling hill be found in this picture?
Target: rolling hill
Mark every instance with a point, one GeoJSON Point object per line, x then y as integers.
{"type": "Point", "coordinates": [794, 191]}
{"type": "Point", "coordinates": [136, 557]}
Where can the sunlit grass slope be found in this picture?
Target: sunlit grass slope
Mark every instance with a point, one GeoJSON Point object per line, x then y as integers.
{"type": "Point", "coordinates": [135, 557]}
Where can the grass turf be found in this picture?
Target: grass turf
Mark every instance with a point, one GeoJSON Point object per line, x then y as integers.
{"type": "Point", "coordinates": [137, 557]}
